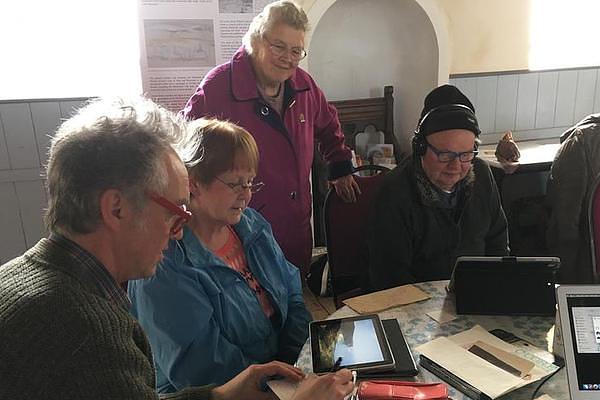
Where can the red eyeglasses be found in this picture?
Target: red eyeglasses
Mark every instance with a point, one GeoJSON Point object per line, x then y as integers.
{"type": "Point", "coordinates": [183, 216]}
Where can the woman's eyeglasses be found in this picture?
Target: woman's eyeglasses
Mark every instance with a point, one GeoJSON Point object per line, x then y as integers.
{"type": "Point", "coordinates": [240, 187]}
{"type": "Point", "coordinates": [449, 156]}
{"type": "Point", "coordinates": [280, 50]}
{"type": "Point", "coordinates": [183, 215]}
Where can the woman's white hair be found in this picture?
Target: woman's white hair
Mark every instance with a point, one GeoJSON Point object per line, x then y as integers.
{"type": "Point", "coordinates": [280, 12]}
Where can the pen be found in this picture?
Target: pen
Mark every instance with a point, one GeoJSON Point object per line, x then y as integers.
{"type": "Point", "coordinates": [354, 395]}
{"type": "Point", "coordinates": [337, 364]}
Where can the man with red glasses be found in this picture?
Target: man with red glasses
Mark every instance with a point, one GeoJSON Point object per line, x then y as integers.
{"type": "Point", "coordinates": [116, 194]}
{"type": "Point", "coordinates": [440, 203]}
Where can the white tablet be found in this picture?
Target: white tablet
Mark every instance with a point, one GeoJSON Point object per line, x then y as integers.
{"type": "Point", "coordinates": [579, 310]}
{"type": "Point", "coordinates": [358, 343]}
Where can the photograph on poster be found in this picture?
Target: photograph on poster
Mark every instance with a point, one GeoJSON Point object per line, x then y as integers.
{"type": "Point", "coordinates": [177, 43]}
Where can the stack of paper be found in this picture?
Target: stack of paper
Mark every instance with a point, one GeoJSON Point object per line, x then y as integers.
{"type": "Point", "coordinates": [484, 362]}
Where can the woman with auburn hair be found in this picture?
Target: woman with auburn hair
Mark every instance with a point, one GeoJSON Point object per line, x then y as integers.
{"type": "Point", "coordinates": [224, 296]}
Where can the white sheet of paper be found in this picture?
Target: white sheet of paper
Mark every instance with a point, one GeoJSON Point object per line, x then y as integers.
{"type": "Point", "coordinates": [541, 369]}
{"type": "Point", "coordinates": [486, 377]}
{"type": "Point", "coordinates": [451, 354]}
{"type": "Point", "coordinates": [544, 397]}
{"type": "Point", "coordinates": [283, 388]}
{"type": "Point", "coordinates": [446, 314]}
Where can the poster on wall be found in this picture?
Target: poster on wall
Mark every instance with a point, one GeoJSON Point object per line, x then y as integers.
{"type": "Point", "coordinates": [181, 40]}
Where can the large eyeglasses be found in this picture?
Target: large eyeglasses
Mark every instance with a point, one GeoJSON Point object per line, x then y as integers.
{"type": "Point", "coordinates": [183, 215]}
{"type": "Point", "coordinates": [280, 50]}
{"type": "Point", "coordinates": [240, 187]}
{"type": "Point", "coordinates": [448, 156]}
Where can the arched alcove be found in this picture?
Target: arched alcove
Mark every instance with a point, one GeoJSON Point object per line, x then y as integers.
{"type": "Point", "coordinates": [358, 46]}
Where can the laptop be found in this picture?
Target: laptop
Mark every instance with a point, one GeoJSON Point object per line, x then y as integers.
{"type": "Point", "coordinates": [579, 311]}
{"type": "Point", "coordinates": [505, 285]}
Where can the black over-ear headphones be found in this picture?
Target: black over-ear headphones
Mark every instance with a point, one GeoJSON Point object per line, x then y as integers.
{"type": "Point", "coordinates": [419, 143]}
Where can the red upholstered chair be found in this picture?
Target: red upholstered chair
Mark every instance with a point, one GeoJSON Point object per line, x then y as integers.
{"type": "Point", "coordinates": [594, 225]}
{"type": "Point", "coordinates": [345, 233]}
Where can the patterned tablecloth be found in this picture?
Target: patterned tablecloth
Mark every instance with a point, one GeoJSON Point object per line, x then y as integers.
{"type": "Point", "coordinates": [419, 328]}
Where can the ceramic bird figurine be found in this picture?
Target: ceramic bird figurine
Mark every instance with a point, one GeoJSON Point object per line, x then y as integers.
{"type": "Point", "coordinates": [507, 150]}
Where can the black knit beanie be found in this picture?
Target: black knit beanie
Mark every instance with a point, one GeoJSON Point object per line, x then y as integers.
{"type": "Point", "coordinates": [445, 116]}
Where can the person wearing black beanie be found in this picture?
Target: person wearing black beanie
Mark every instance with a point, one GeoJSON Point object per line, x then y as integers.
{"type": "Point", "coordinates": [440, 203]}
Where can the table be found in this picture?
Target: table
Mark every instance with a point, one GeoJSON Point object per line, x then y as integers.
{"type": "Point", "coordinates": [418, 328]}
{"type": "Point", "coordinates": [536, 156]}
{"type": "Point", "coordinates": [523, 187]}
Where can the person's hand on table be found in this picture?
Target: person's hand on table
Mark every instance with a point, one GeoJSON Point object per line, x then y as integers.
{"type": "Point", "coordinates": [346, 187]}
{"type": "Point", "coordinates": [248, 383]}
{"type": "Point", "coordinates": [332, 386]}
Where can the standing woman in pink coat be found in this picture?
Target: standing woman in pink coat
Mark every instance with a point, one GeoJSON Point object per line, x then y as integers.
{"type": "Point", "coordinates": [263, 90]}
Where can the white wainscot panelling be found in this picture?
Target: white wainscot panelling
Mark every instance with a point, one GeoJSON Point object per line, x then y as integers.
{"type": "Point", "coordinates": [527, 101]}
{"type": "Point", "coordinates": [534, 105]}
{"type": "Point", "coordinates": [597, 97]}
{"type": "Point", "coordinates": [565, 98]}
{"type": "Point", "coordinates": [506, 102]}
{"type": "Point", "coordinates": [586, 89]}
{"type": "Point", "coordinates": [32, 202]}
{"type": "Point", "coordinates": [46, 118]}
{"type": "Point", "coordinates": [485, 103]}
{"type": "Point", "coordinates": [20, 139]}
{"type": "Point", "coordinates": [468, 86]}
{"type": "Point", "coordinates": [4, 162]}
{"type": "Point", "coordinates": [68, 108]}
{"type": "Point", "coordinates": [12, 238]}
{"type": "Point", "coordinates": [546, 101]}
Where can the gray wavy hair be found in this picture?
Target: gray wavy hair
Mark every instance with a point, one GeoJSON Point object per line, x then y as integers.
{"type": "Point", "coordinates": [113, 143]}
{"type": "Point", "coordinates": [283, 11]}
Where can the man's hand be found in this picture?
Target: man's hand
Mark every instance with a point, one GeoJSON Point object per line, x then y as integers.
{"type": "Point", "coordinates": [247, 384]}
{"type": "Point", "coordinates": [347, 188]}
{"type": "Point", "coordinates": [334, 386]}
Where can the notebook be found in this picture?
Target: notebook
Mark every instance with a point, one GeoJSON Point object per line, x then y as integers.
{"type": "Point", "coordinates": [579, 311]}
{"type": "Point", "coordinates": [505, 285]}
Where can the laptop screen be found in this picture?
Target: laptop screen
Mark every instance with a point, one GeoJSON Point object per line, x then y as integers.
{"type": "Point", "coordinates": [579, 310]}
{"type": "Point", "coordinates": [584, 326]}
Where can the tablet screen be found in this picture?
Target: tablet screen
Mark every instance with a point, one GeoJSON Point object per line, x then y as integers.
{"type": "Point", "coordinates": [357, 342]}
{"type": "Point", "coordinates": [584, 324]}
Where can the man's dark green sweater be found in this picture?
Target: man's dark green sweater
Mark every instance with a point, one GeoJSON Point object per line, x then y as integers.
{"type": "Point", "coordinates": [62, 337]}
{"type": "Point", "coordinates": [416, 233]}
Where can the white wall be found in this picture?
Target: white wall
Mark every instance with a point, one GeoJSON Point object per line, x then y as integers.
{"type": "Point", "coordinates": [24, 138]}
{"type": "Point", "coordinates": [487, 35]}
{"type": "Point", "coordinates": [359, 46]}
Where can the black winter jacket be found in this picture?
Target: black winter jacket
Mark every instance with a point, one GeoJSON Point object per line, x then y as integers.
{"type": "Point", "coordinates": [414, 238]}
{"type": "Point", "coordinates": [574, 170]}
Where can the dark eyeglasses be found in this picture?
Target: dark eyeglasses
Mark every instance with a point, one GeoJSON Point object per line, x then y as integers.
{"type": "Point", "coordinates": [449, 156]}
{"type": "Point", "coordinates": [183, 215]}
{"type": "Point", "coordinates": [240, 187]}
{"type": "Point", "coordinates": [279, 50]}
